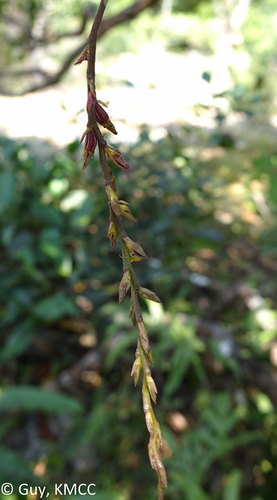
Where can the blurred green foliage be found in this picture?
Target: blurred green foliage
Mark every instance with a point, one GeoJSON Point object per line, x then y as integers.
{"type": "Point", "coordinates": [206, 201]}
{"type": "Point", "coordinates": [207, 218]}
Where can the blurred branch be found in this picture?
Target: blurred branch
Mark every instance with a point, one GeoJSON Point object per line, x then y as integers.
{"type": "Point", "coordinates": [125, 15]}
{"type": "Point", "coordinates": [51, 79]}
{"type": "Point", "coordinates": [88, 12]}
{"type": "Point", "coordinates": [26, 71]}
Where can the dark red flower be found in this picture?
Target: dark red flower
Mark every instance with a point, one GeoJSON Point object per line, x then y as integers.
{"type": "Point", "coordinates": [89, 148]}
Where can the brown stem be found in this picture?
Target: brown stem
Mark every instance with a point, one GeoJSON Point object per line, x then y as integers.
{"type": "Point", "coordinates": [92, 44]}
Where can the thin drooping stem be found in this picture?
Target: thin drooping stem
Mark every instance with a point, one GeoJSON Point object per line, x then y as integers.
{"type": "Point", "coordinates": [131, 251]}
{"type": "Point", "coordinates": [92, 45]}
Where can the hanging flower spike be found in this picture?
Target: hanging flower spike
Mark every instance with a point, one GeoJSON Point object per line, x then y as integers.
{"type": "Point", "coordinates": [131, 251]}
{"type": "Point", "coordinates": [126, 212]}
{"type": "Point", "coordinates": [89, 148]}
{"type": "Point", "coordinates": [116, 158]}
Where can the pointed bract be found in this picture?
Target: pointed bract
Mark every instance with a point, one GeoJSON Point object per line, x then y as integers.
{"type": "Point", "coordinates": [109, 126]}
{"type": "Point", "coordinates": [83, 57]}
{"type": "Point", "coordinates": [126, 212]}
{"type": "Point", "coordinates": [89, 147]}
{"type": "Point", "coordinates": [149, 422]}
{"type": "Point", "coordinates": [143, 336]}
{"type": "Point", "coordinates": [113, 199]}
{"type": "Point", "coordinates": [101, 115]}
{"type": "Point", "coordinates": [103, 118]}
{"type": "Point", "coordinates": [151, 387]}
{"type": "Point", "coordinates": [124, 285]}
{"type": "Point", "coordinates": [87, 157]}
{"type": "Point", "coordinates": [148, 294]}
{"type": "Point", "coordinates": [112, 234]}
{"type": "Point", "coordinates": [90, 141]}
{"type": "Point", "coordinates": [136, 370]}
{"type": "Point", "coordinates": [116, 158]}
{"type": "Point", "coordinates": [135, 250]}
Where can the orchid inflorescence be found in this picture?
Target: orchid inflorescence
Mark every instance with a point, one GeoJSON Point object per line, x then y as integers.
{"type": "Point", "coordinates": [131, 251]}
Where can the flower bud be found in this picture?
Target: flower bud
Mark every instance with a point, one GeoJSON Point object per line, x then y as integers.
{"type": "Point", "coordinates": [101, 115]}
{"type": "Point", "coordinates": [113, 199]}
{"type": "Point", "coordinates": [151, 387]}
{"type": "Point", "coordinates": [136, 252]}
{"type": "Point", "coordinates": [148, 294]}
{"type": "Point", "coordinates": [149, 423]}
{"type": "Point", "coordinates": [90, 141]}
{"type": "Point", "coordinates": [103, 118]}
{"type": "Point", "coordinates": [112, 234]}
{"type": "Point", "coordinates": [109, 126]}
{"type": "Point", "coordinates": [124, 285]}
{"type": "Point", "coordinates": [90, 102]}
{"type": "Point", "coordinates": [126, 212]}
{"type": "Point", "coordinates": [136, 369]}
{"type": "Point", "coordinates": [90, 145]}
{"type": "Point", "coordinates": [116, 158]}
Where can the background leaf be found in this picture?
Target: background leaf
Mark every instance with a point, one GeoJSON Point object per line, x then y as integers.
{"type": "Point", "coordinates": [27, 398]}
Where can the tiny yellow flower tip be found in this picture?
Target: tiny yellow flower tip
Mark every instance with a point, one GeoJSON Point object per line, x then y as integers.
{"type": "Point", "coordinates": [109, 126]}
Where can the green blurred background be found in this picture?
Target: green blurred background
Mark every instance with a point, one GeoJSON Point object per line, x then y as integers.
{"type": "Point", "coordinates": [191, 88]}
